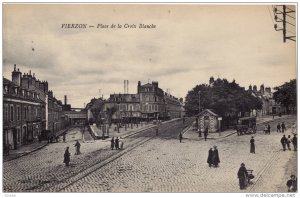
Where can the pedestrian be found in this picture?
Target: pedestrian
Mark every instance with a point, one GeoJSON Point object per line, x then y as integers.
{"type": "Point", "coordinates": [210, 157]}
{"type": "Point", "coordinates": [294, 141]}
{"type": "Point", "coordinates": [283, 142]}
{"type": "Point", "coordinates": [112, 143]}
{"type": "Point", "coordinates": [215, 158]}
{"type": "Point", "coordinates": [269, 129]}
{"type": "Point", "coordinates": [67, 157]}
{"type": "Point", "coordinates": [121, 144]}
{"type": "Point", "coordinates": [205, 133]}
{"type": "Point", "coordinates": [252, 145]}
{"type": "Point", "coordinates": [288, 142]}
{"type": "Point", "coordinates": [292, 184]}
{"type": "Point", "coordinates": [278, 127]}
{"type": "Point", "coordinates": [243, 176]}
{"type": "Point", "coordinates": [180, 137]}
{"type": "Point", "coordinates": [283, 127]}
{"type": "Point", "coordinates": [117, 143]}
{"type": "Point", "coordinates": [64, 137]}
{"type": "Point", "coordinates": [77, 145]}
{"type": "Point", "coordinates": [266, 129]}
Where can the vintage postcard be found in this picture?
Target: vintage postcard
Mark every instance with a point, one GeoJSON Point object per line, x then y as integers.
{"type": "Point", "coordinates": [149, 98]}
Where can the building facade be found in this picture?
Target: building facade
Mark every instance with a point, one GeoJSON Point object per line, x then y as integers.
{"type": "Point", "coordinates": [149, 103]}
{"type": "Point", "coordinates": [28, 109]}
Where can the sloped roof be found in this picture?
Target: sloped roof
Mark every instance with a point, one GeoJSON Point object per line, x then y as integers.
{"type": "Point", "coordinates": [209, 111]}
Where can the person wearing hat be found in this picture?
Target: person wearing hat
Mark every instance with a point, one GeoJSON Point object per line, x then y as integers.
{"type": "Point", "coordinates": [252, 145]}
{"type": "Point", "coordinates": [215, 158]}
{"type": "Point", "coordinates": [242, 175]}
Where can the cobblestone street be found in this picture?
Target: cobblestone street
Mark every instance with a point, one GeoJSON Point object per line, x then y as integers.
{"type": "Point", "coordinates": [153, 164]}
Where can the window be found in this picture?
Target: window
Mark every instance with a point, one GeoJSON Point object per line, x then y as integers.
{"type": "Point", "coordinates": [25, 112]}
{"type": "Point", "coordinates": [36, 112]}
{"type": "Point", "coordinates": [5, 112]}
{"type": "Point", "coordinates": [19, 135]}
{"type": "Point", "coordinates": [29, 113]}
{"type": "Point", "coordinates": [6, 89]}
{"type": "Point", "coordinates": [12, 113]}
{"type": "Point", "coordinates": [18, 113]}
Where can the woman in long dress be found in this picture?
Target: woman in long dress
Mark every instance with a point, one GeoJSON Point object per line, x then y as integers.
{"type": "Point", "coordinates": [216, 159]}
{"type": "Point", "coordinates": [252, 145]}
{"type": "Point", "coordinates": [210, 157]}
{"type": "Point", "coordinates": [67, 157]}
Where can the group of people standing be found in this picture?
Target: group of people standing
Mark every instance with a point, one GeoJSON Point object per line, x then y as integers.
{"type": "Point", "coordinates": [213, 157]}
{"type": "Point", "coordinates": [287, 141]}
{"type": "Point", "coordinates": [116, 143]}
{"type": "Point", "coordinates": [281, 128]}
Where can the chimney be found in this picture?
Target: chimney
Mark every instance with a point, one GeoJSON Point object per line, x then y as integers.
{"type": "Point", "coordinates": [139, 86]}
{"type": "Point", "coordinates": [127, 86]}
{"type": "Point", "coordinates": [16, 76]}
{"type": "Point", "coordinates": [124, 86]}
{"type": "Point", "coordinates": [262, 89]}
{"type": "Point", "coordinates": [66, 100]}
{"type": "Point", "coordinates": [211, 80]}
{"type": "Point", "coordinates": [255, 88]}
{"type": "Point", "coordinates": [25, 81]}
{"type": "Point", "coordinates": [250, 88]}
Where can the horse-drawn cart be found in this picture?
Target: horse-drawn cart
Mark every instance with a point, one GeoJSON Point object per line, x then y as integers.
{"type": "Point", "coordinates": [246, 125]}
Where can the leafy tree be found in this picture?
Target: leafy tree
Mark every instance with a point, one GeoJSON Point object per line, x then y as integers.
{"type": "Point", "coordinates": [225, 98]}
{"type": "Point", "coordinates": [286, 95]}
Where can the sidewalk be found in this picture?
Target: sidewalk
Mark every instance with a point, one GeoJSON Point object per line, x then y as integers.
{"type": "Point", "coordinates": [24, 150]}
{"type": "Point", "coordinates": [193, 134]}
{"type": "Point", "coordinates": [113, 132]}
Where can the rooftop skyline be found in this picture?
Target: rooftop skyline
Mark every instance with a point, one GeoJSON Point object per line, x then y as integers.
{"type": "Point", "coordinates": [189, 44]}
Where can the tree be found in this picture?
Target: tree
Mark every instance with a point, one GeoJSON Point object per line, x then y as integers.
{"type": "Point", "coordinates": [286, 95]}
{"type": "Point", "coordinates": [225, 98]}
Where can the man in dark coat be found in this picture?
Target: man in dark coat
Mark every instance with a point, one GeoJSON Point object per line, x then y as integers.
{"type": "Point", "coordinates": [278, 127]}
{"type": "Point", "coordinates": [283, 142]}
{"type": "Point", "coordinates": [210, 156]}
{"type": "Point", "coordinates": [205, 133]}
{"type": "Point", "coordinates": [243, 176]}
{"type": "Point", "coordinates": [252, 145]}
{"type": "Point", "coordinates": [77, 145]}
{"type": "Point", "coordinates": [269, 129]}
{"type": "Point", "coordinates": [112, 143]}
{"type": "Point", "coordinates": [117, 143]}
{"type": "Point", "coordinates": [215, 158]}
{"type": "Point", "coordinates": [294, 141]}
{"type": "Point", "coordinates": [67, 157]}
{"type": "Point", "coordinates": [180, 137]}
{"type": "Point", "coordinates": [282, 127]}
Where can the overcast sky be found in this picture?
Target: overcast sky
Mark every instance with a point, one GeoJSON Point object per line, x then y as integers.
{"type": "Point", "coordinates": [190, 44]}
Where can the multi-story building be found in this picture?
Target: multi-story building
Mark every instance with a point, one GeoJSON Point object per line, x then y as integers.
{"type": "Point", "coordinates": [150, 103]}
{"type": "Point", "coordinates": [269, 106]}
{"type": "Point", "coordinates": [23, 110]}
{"type": "Point", "coordinates": [28, 109]}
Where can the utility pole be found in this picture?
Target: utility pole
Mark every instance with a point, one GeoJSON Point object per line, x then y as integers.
{"type": "Point", "coordinates": [284, 21]}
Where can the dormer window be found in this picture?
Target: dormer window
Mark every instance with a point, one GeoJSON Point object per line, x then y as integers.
{"type": "Point", "coordinates": [23, 93]}
{"type": "Point", "coordinates": [37, 96]}
{"type": "Point", "coordinates": [16, 91]}
{"type": "Point", "coordinates": [6, 89]}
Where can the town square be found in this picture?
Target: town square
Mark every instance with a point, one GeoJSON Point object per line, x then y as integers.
{"type": "Point", "coordinates": [149, 98]}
